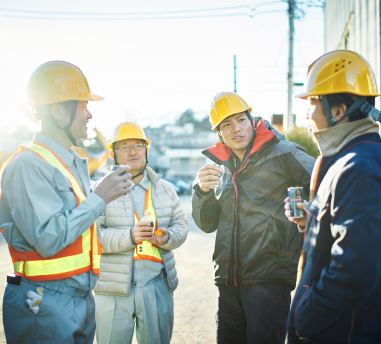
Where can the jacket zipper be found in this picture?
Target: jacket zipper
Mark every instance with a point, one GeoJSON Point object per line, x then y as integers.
{"type": "Point", "coordinates": [235, 232]}
{"type": "Point", "coordinates": [236, 221]}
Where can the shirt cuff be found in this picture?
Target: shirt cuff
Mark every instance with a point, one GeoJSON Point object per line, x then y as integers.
{"type": "Point", "coordinates": [96, 203]}
{"type": "Point", "coordinates": [201, 194]}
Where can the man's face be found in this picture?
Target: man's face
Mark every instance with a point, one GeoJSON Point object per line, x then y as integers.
{"type": "Point", "coordinates": [315, 115]}
{"type": "Point", "coordinates": [135, 158]}
{"type": "Point", "coordinates": [237, 132]}
{"type": "Point", "coordinates": [79, 126]}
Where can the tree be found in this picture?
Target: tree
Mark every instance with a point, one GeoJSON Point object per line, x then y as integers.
{"type": "Point", "coordinates": [302, 138]}
{"type": "Point", "coordinates": [186, 117]}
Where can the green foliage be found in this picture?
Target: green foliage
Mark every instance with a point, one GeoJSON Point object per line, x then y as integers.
{"type": "Point", "coordinates": [304, 139]}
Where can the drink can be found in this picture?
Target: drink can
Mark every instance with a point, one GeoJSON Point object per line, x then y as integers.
{"type": "Point", "coordinates": [116, 167]}
{"type": "Point", "coordinates": [214, 187]}
{"type": "Point", "coordinates": [295, 195]}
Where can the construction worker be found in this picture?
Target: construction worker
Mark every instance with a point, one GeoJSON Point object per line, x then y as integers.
{"type": "Point", "coordinates": [257, 249]}
{"type": "Point", "coordinates": [338, 299]}
{"type": "Point", "coordinates": [137, 272]}
{"type": "Point", "coordinates": [48, 216]}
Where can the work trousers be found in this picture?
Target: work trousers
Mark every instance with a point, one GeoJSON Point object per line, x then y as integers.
{"type": "Point", "coordinates": [253, 314]}
{"type": "Point", "coordinates": [62, 318]}
{"type": "Point", "coordinates": [149, 308]}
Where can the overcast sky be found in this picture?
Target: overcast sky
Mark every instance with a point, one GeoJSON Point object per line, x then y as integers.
{"type": "Point", "coordinates": [151, 70]}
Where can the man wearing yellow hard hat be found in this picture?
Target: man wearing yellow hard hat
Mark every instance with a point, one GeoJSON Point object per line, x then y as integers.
{"type": "Point", "coordinates": [241, 197]}
{"type": "Point", "coordinates": [49, 217]}
{"type": "Point", "coordinates": [338, 299]}
{"type": "Point", "coordinates": [140, 230]}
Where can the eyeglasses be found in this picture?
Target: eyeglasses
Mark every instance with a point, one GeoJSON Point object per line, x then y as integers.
{"type": "Point", "coordinates": [126, 148]}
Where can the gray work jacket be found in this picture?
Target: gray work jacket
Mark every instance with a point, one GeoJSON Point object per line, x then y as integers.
{"type": "Point", "coordinates": [38, 208]}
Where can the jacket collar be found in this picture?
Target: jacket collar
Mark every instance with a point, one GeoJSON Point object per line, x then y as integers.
{"type": "Point", "coordinates": [66, 156]}
{"type": "Point", "coordinates": [331, 140]}
{"type": "Point", "coordinates": [222, 153]}
{"type": "Point", "coordinates": [152, 175]}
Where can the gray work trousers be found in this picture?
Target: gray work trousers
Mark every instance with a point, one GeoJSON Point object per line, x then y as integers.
{"type": "Point", "coordinates": [149, 307]}
{"type": "Point", "coordinates": [62, 318]}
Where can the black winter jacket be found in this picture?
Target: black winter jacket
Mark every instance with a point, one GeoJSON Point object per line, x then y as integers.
{"type": "Point", "coordinates": [255, 242]}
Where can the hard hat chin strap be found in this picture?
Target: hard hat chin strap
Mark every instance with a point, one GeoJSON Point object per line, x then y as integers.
{"type": "Point", "coordinates": [72, 109]}
{"type": "Point", "coordinates": [141, 172]}
{"type": "Point", "coordinates": [360, 104]}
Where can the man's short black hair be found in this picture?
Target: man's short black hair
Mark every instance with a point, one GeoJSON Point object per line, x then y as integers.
{"type": "Point", "coordinates": [344, 98]}
{"type": "Point", "coordinates": [247, 112]}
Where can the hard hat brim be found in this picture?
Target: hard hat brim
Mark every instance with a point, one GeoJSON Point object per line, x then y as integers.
{"type": "Point", "coordinates": [95, 98]}
{"type": "Point", "coordinates": [222, 119]}
{"type": "Point", "coordinates": [306, 95]}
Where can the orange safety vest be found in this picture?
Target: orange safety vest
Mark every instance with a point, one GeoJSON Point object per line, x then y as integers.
{"type": "Point", "coordinates": [83, 255]}
{"type": "Point", "coordinates": [146, 250]}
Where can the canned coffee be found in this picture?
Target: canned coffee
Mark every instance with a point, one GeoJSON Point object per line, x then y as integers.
{"type": "Point", "coordinates": [295, 195]}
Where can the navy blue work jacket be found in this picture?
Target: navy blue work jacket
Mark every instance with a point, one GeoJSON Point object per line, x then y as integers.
{"type": "Point", "coordinates": [338, 299]}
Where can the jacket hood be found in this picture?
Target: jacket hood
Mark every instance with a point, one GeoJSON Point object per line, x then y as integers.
{"type": "Point", "coordinates": [332, 140]}
{"type": "Point", "coordinates": [264, 133]}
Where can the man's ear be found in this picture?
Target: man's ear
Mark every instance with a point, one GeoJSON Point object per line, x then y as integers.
{"type": "Point", "coordinates": [112, 154]}
{"type": "Point", "coordinates": [338, 112]}
{"type": "Point", "coordinates": [59, 113]}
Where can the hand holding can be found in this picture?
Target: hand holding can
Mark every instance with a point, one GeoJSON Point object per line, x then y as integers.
{"type": "Point", "coordinates": [299, 204]}
{"type": "Point", "coordinates": [295, 196]}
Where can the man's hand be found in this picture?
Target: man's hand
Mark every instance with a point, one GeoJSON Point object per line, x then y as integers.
{"type": "Point", "coordinates": [142, 231]}
{"type": "Point", "coordinates": [160, 239]}
{"type": "Point", "coordinates": [208, 175]}
{"type": "Point", "coordinates": [114, 185]}
{"type": "Point", "coordinates": [301, 221]}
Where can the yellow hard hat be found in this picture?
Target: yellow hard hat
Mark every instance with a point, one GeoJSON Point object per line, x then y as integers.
{"type": "Point", "coordinates": [58, 81]}
{"type": "Point", "coordinates": [225, 104]}
{"type": "Point", "coordinates": [340, 71]}
{"type": "Point", "coordinates": [127, 130]}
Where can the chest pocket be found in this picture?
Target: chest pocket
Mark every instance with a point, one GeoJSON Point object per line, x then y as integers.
{"type": "Point", "coordinates": [66, 193]}
{"type": "Point", "coordinates": [318, 217]}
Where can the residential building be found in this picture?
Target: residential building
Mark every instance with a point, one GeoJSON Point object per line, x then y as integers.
{"type": "Point", "coordinates": [175, 151]}
{"type": "Point", "coordinates": [355, 25]}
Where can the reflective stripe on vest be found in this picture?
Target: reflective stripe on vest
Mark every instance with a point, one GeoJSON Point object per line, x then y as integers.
{"type": "Point", "coordinates": [146, 250]}
{"type": "Point", "coordinates": [83, 255]}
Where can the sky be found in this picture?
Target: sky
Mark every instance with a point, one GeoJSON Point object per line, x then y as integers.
{"type": "Point", "coordinates": [152, 67]}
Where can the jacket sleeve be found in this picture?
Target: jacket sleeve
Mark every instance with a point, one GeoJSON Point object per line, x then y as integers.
{"type": "Point", "coordinates": [178, 226]}
{"type": "Point", "coordinates": [354, 268]}
{"type": "Point", "coordinates": [38, 211]}
{"type": "Point", "coordinates": [205, 210]}
{"type": "Point", "coordinates": [114, 240]}
{"type": "Point", "coordinates": [301, 166]}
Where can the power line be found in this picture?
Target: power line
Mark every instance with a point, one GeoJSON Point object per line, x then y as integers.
{"type": "Point", "coordinates": [29, 14]}
{"type": "Point", "coordinates": [127, 18]}
{"type": "Point", "coordinates": [122, 13]}
{"type": "Point", "coordinates": [141, 18]}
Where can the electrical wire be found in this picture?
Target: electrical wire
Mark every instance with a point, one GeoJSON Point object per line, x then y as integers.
{"type": "Point", "coordinates": [29, 14]}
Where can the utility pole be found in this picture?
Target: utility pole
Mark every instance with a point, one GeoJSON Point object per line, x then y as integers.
{"type": "Point", "coordinates": [288, 122]}
{"type": "Point", "coordinates": [235, 75]}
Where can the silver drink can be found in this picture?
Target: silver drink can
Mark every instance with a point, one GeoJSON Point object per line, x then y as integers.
{"type": "Point", "coordinates": [295, 195]}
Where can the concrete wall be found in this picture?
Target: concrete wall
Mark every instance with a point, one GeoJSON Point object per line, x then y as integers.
{"type": "Point", "coordinates": [364, 31]}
